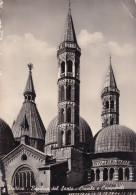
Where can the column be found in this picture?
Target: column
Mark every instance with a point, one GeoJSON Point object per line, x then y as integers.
{"type": "Point", "coordinates": [22, 179]}
{"type": "Point", "coordinates": [65, 92]}
{"type": "Point", "coordinates": [65, 113]}
{"type": "Point", "coordinates": [124, 176]}
{"type": "Point", "coordinates": [116, 175]}
{"type": "Point", "coordinates": [94, 174]}
{"type": "Point", "coordinates": [101, 174]}
{"type": "Point", "coordinates": [131, 174]}
{"type": "Point", "coordinates": [108, 174]}
{"type": "Point", "coordinates": [30, 179]}
{"type": "Point", "coordinates": [73, 68]}
{"type": "Point", "coordinates": [18, 180]}
{"type": "Point", "coordinates": [89, 177]}
{"type": "Point", "coordinates": [72, 137]}
{"type": "Point", "coordinates": [65, 68]}
{"type": "Point", "coordinates": [26, 179]}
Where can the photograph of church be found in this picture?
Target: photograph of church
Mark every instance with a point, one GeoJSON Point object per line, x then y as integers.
{"type": "Point", "coordinates": [67, 157]}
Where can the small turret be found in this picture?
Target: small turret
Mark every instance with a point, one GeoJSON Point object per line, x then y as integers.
{"type": "Point", "coordinates": [110, 100]}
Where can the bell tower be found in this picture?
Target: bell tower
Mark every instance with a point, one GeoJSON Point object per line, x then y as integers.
{"type": "Point", "coordinates": [110, 100]}
{"type": "Point", "coordinates": [68, 85]}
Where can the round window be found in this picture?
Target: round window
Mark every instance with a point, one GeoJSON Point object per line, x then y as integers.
{"type": "Point", "coordinates": [24, 157]}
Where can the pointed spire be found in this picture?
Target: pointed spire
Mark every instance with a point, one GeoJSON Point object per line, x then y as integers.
{"type": "Point", "coordinates": [29, 92]}
{"type": "Point", "coordinates": [69, 35]}
{"type": "Point", "coordinates": [110, 79]}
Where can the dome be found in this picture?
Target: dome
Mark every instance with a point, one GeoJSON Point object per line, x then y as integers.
{"type": "Point", "coordinates": [52, 132]}
{"type": "Point", "coordinates": [115, 138]}
{"type": "Point", "coordinates": [6, 138]}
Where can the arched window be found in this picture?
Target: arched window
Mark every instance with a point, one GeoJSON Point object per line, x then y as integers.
{"type": "Point", "coordinates": [68, 92]}
{"type": "Point", "coordinates": [112, 104]}
{"type": "Point", "coordinates": [29, 97]}
{"type": "Point", "coordinates": [63, 67]}
{"type": "Point", "coordinates": [97, 175]}
{"type": "Point", "coordinates": [111, 174]}
{"type": "Point", "coordinates": [62, 141]}
{"type": "Point", "coordinates": [24, 179]}
{"type": "Point", "coordinates": [68, 137]}
{"type": "Point", "coordinates": [62, 92]}
{"type": "Point", "coordinates": [68, 115]}
{"type": "Point", "coordinates": [107, 104]}
{"type": "Point", "coordinates": [105, 174]}
{"type": "Point", "coordinates": [92, 175]}
{"type": "Point", "coordinates": [62, 115]}
{"type": "Point", "coordinates": [111, 121]}
{"type": "Point", "coordinates": [69, 64]}
{"type": "Point", "coordinates": [120, 171]}
{"type": "Point", "coordinates": [127, 173]}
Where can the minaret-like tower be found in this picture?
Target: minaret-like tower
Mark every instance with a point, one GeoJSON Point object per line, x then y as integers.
{"type": "Point", "coordinates": [110, 100]}
{"type": "Point", "coordinates": [68, 86]}
{"type": "Point", "coordinates": [28, 127]}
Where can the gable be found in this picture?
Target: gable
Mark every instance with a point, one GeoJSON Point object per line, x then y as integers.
{"type": "Point", "coordinates": [22, 149]}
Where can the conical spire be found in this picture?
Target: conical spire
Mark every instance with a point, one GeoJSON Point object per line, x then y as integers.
{"type": "Point", "coordinates": [69, 34]}
{"type": "Point", "coordinates": [29, 91]}
{"type": "Point", "coordinates": [110, 79]}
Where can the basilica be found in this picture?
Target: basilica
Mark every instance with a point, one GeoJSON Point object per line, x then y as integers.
{"type": "Point", "coordinates": [66, 158]}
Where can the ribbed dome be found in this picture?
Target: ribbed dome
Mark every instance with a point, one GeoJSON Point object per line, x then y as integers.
{"type": "Point", "coordinates": [52, 132]}
{"type": "Point", "coordinates": [85, 132]}
{"type": "Point", "coordinates": [115, 138]}
{"type": "Point", "coordinates": [6, 138]}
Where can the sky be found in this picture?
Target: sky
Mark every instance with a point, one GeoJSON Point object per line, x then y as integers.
{"type": "Point", "coordinates": [33, 29]}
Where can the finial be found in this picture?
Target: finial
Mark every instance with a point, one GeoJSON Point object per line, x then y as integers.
{"type": "Point", "coordinates": [69, 4]}
{"type": "Point", "coordinates": [30, 66]}
{"type": "Point", "coordinates": [110, 60]}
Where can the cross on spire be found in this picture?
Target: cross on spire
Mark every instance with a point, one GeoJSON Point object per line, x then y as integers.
{"type": "Point", "coordinates": [110, 60]}
{"type": "Point", "coordinates": [30, 66]}
{"type": "Point", "coordinates": [69, 4]}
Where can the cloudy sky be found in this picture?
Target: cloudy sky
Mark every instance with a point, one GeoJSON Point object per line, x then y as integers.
{"type": "Point", "coordinates": [32, 31]}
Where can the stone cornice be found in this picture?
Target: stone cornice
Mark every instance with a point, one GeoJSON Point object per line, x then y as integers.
{"type": "Point", "coordinates": [23, 149]}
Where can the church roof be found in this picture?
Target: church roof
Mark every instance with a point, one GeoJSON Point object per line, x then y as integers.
{"type": "Point", "coordinates": [115, 138]}
{"type": "Point", "coordinates": [36, 128]}
{"type": "Point", "coordinates": [24, 123]}
{"type": "Point", "coordinates": [69, 34]}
